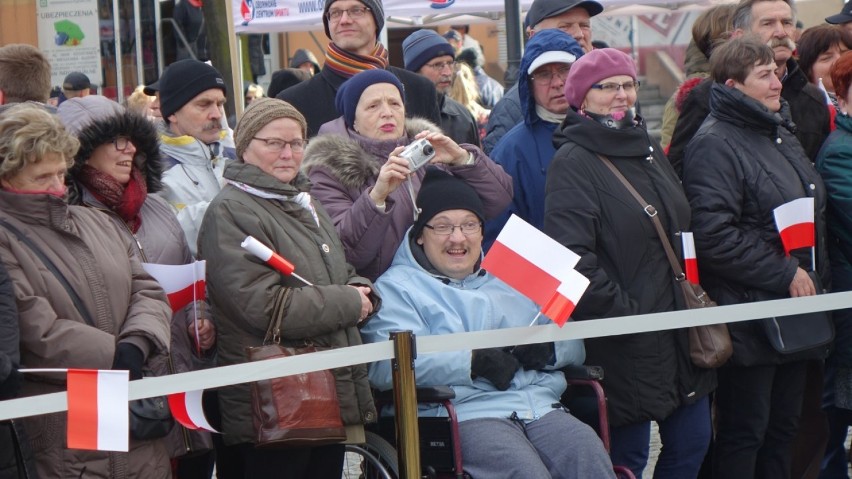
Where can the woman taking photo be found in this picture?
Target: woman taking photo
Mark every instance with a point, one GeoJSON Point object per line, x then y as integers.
{"type": "Point", "coordinates": [267, 198]}
{"type": "Point", "coordinates": [119, 318]}
{"type": "Point", "coordinates": [367, 188]}
{"type": "Point", "coordinates": [648, 376]}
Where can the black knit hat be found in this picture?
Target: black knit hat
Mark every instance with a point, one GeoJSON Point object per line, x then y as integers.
{"type": "Point", "coordinates": [441, 191]}
{"type": "Point", "coordinates": [375, 7]}
{"type": "Point", "coordinates": [183, 80]}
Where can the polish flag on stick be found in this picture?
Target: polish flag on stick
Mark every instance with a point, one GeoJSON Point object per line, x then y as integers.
{"type": "Point", "coordinates": [98, 417]}
{"type": "Point", "coordinates": [690, 259]}
{"type": "Point", "coordinates": [271, 258]}
{"type": "Point", "coordinates": [187, 409]}
{"type": "Point", "coordinates": [529, 261]}
{"type": "Point", "coordinates": [795, 222]}
{"type": "Point", "coordinates": [832, 111]}
{"type": "Point", "coordinates": [183, 283]}
{"type": "Point", "coordinates": [565, 299]}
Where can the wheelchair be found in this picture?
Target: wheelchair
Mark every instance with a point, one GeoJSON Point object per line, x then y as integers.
{"type": "Point", "coordinates": [440, 447]}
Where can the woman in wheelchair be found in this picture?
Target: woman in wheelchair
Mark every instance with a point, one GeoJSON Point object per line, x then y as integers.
{"type": "Point", "coordinates": [507, 399]}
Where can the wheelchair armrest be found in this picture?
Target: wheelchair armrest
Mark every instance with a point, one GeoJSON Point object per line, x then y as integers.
{"type": "Point", "coordinates": [424, 394]}
{"type": "Point", "coordinates": [583, 372]}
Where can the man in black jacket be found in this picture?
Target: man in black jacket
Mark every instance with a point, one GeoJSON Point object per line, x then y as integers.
{"type": "Point", "coordinates": [773, 21]}
{"type": "Point", "coordinates": [353, 27]}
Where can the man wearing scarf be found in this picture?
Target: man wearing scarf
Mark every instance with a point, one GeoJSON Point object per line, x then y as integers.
{"type": "Point", "coordinates": [353, 27]}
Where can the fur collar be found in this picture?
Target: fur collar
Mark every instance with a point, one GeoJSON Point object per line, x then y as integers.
{"type": "Point", "coordinates": [347, 160]}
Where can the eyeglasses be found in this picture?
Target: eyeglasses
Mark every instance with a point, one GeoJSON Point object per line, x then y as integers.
{"type": "Point", "coordinates": [276, 145]}
{"type": "Point", "coordinates": [468, 229]}
{"type": "Point", "coordinates": [612, 87]}
{"type": "Point", "coordinates": [121, 143]}
{"type": "Point", "coordinates": [441, 65]}
{"type": "Point", "coordinates": [354, 12]}
{"type": "Point", "coordinates": [544, 77]}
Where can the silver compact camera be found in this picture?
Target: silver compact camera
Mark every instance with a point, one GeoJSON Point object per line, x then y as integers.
{"type": "Point", "coordinates": [418, 154]}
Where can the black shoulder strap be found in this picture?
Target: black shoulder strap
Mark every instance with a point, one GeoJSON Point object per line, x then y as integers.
{"type": "Point", "coordinates": [78, 303]}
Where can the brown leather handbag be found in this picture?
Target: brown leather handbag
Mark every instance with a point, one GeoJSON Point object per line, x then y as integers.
{"type": "Point", "coordinates": [710, 345]}
{"type": "Point", "coordinates": [297, 410]}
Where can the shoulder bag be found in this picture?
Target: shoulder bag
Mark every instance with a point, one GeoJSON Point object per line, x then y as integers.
{"type": "Point", "coordinates": [297, 410]}
{"type": "Point", "coordinates": [710, 345]}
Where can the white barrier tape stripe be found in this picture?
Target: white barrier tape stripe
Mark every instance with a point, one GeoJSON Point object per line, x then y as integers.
{"type": "Point", "coordinates": [249, 372]}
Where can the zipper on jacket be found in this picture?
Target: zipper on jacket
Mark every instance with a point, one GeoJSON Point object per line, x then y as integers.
{"type": "Point", "coordinates": [777, 331]}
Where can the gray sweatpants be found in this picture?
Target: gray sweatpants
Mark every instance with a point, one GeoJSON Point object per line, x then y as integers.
{"type": "Point", "coordinates": [557, 446]}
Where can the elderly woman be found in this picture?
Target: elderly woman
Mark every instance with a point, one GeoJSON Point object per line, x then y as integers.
{"type": "Point", "coordinates": [834, 164]}
{"type": "Point", "coordinates": [367, 188]}
{"type": "Point", "coordinates": [117, 171]}
{"type": "Point", "coordinates": [648, 376]}
{"type": "Point", "coordinates": [121, 319]}
{"type": "Point", "coordinates": [267, 198]}
{"type": "Point", "coordinates": [744, 162]}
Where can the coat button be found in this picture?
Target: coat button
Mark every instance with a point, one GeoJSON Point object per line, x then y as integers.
{"type": "Point", "coordinates": [812, 186]}
{"type": "Point", "coordinates": [778, 140]}
{"type": "Point", "coordinates": [325, 248]}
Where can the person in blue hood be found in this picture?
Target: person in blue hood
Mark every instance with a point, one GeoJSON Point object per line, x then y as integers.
{"type": "Point", "coordinates": [526, 150]}
{"type": "Point", "coordinates": [507, 399]}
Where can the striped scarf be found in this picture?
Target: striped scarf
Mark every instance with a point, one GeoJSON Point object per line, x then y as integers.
{"type": "Point", "coordinates": [347, 64]}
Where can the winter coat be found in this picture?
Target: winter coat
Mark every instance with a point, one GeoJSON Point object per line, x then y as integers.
{"type": "Point", "coordinates": [525, 152]}
{"type": "Point", "coordinates": [742, 164]}
{"type": "Point", "coordinates": [192, 177]}
{"type": "Point", "coordinates": [429, 304]}
{"type": "Point", "coordinates": [457, 122]}
{"type": "Point", "coordinates": [490, 90]}
{"type": "Point", "coordinates": [588, 210]}
{"type": "Point", "coordinates": [807, 108]}
{"type": "Point", "coordinates": [834, 164]}
{"type": "Point", "coordinates": [246, 294]}
{"type": "Point", "coordinates": [315, 97]}
{"type": "Point", "coordinates": [504, 116]}
{"type": "Point", "coordinates": [125, 303]}
{"type": "Point", "coordinates": [343, 167]}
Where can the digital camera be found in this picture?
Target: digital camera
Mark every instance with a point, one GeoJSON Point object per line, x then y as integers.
{"type": "Point", "coordinates": [418, 154]}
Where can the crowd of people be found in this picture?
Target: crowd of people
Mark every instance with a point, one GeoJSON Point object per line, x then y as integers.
{"type": "Point", "coordinates": [319, 171]}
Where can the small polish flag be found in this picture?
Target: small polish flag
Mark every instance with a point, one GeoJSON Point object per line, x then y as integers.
{"type": "Point", "coordinates": [98, 417]}
{"type": "Point", "coordinates": [690, 259]}
{"type": "Point", "coordinates": [832, 111]}
{"type": "Point", "coordinates": [529, 260]}
{"type": "Point", "coordinates": [260, 250]}
{"type": "Point", "coordinates": [183, 283]}
{"type": "Point", "coordinates": [795, 222]}
{"type": "Point", "coordinates": [565, 299]}
{"type": "Point", "coordinates": [187, 409]}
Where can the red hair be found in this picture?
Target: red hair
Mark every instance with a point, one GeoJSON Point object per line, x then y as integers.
{"type": "Point", "coordinates": [841, 75]}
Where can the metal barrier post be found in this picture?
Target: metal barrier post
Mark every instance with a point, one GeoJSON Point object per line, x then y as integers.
{"type": "Point", "coordinates": [405, 404]}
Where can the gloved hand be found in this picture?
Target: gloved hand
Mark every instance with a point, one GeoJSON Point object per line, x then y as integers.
{"type": "Point", "coordinates": [129, 357]}
{"type": "Point", "coordinates": [495, 365]}
{"type": "Point", "coordinates": [534, 356]}
{"type": "Point", "coordinates": [9, 387]}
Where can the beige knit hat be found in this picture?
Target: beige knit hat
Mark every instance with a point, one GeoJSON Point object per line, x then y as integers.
{"type": "Point", "coordinates": [260, 113]}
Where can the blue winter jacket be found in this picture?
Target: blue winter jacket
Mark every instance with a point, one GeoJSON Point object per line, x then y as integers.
{"type": "Point", "coordinates": [427, 304]}
{"type": "Point", "coordinates": [526, 150]}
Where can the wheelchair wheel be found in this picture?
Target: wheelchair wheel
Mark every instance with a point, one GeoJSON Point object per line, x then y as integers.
{"type": "Point", "coordinates": [375, 459]}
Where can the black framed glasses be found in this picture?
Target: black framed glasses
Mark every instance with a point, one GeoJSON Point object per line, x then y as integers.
{"type": "Point", "coordinates": [121, 143]}
{"type": "Point", "coordinates": [277, 145]}
{"type": "Point", "coordinates": [354, 12]}
{"type": "Point", "coordinates": [612, 87]}
{"type": "Point", "coordinates": [468, 229]}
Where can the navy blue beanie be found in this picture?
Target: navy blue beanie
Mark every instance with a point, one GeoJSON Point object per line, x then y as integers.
{"type": "Point", "coordinates": [350, 91]}
{"type": "Point", "coordinates": [422, 46]}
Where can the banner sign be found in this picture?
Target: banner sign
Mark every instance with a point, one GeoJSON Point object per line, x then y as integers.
{"type": "Point", "coordinates": [68, 34]}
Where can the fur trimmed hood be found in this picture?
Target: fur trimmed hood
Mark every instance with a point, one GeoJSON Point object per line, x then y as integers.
{"type": "Point", "coordinates": [337, 150]}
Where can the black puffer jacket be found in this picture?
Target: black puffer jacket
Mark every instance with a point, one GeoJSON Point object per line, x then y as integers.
{"type": "Point", "coordinates": [588, 210]}
{"type": "Point", "coordinates": [742, 164]}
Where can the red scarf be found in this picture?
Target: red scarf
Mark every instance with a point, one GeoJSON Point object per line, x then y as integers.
{"type": "Point", "coordinates": [124, 200]}
{"type": "Point", "coordinates": [347, 64]}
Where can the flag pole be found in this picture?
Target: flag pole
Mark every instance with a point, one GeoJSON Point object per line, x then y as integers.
{"type": "Point", "coordinates": [813, 259]}
{"type": "Point", "coordinates": [195, 309]}
{"type": "Point", "coordinates": [536, 318]}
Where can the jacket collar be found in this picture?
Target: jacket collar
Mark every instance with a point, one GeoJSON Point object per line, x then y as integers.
{"type": "Point", "coordinates": [257, 178]}
{"type": "Point", "coordinates": [733, 106]}
{"type": "Point", "coordinates": [591, 135]}
{"type": "Point", "coordinates": [42, 209]}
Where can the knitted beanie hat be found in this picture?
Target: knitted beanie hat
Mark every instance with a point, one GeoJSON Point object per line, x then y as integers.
{"type": "Point", "coordinates": [594, 67]}
{"type": "Point", "coordinates": [375, 7]}
{"type": "Point", "coordinates": [441, 191]}
{"type": "Point", "coordinates": [184, 80]}
{"type": "Point", "coordinates": [260, 113]}
{"type": "Point", "coordinates": [422, 46]}
{"type": "Point", "coordinates": [350, 91]}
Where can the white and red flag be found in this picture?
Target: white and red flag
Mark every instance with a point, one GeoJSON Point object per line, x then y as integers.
{"type": "Point", "coordinates": [832, 111]}
{"type": "Point", "coordinates": [795, 222]}
{"type": "Point", "coordinates": [273, 259]}
{"type": "Point", "coordinates": [565, 299]}
{"type": "Point", "coordinates": [98, 417]}
{"type": "Point", "coordinates": [529, 260]}
{"type": "Point", "coordinates": [187, 409]}
{"type": "Point", "coordinates": [183, 283]}
{"type": "Point", "coordinates": [690, 259]}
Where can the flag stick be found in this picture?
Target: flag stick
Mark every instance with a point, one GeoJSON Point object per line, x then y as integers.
{"type": "Point", "coordinates": [813, 259]}
{"type": "Point", "coordinates": [535, 318]}
{"type": "Point", "coordinates": [195, 311]}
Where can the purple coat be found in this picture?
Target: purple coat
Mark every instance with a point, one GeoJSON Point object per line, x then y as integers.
{"type": "Point", "coordinates": [343, 167]}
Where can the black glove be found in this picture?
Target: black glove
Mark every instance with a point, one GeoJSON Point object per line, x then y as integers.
{"type": "Point", "coordinates": [9, 387]}
{"type": "Point", "coordinates": [129, 357]}
{"type": "Point", "coordinates": [534, 356]}
{"type": "Point", "coordinates": [495, 365]}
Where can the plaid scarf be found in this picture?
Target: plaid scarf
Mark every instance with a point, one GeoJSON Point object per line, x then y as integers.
{"type": "Point", "coordinates": [347, 64]}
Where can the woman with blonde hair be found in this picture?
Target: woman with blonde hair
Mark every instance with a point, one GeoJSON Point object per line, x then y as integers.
{"type": "Point", "coordinates": [465, 91]}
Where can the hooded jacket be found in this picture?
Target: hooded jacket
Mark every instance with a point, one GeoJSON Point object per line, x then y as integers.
{"type": "Point", "coordinates": [525, 152]}
{"type": "Point", "coordinates": [589, 211]}
{"type": "Point", "coordinates": [343, 167]}
{"type": "Point", "coordinates": [507, 113]}
{"type": "Point", "coordinates": [247, 294]}
{"type": "Point", "coordinates": [742, 164]}
{"type": "Point", "coordinates": [429, 304]}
